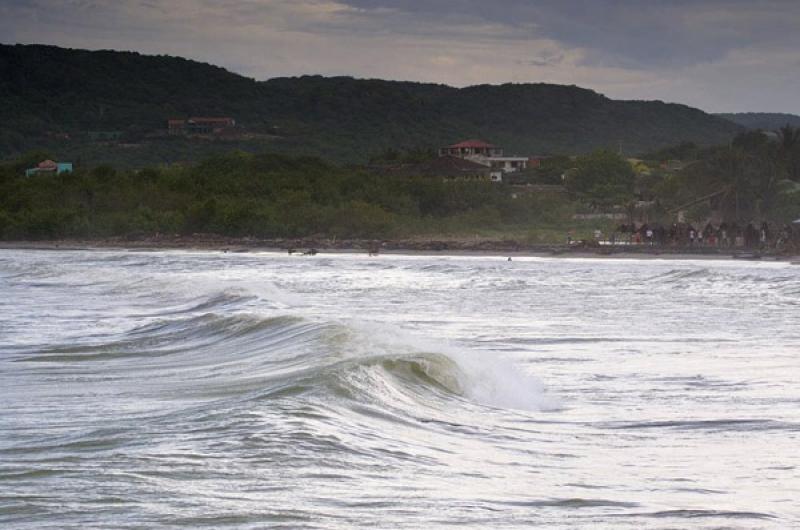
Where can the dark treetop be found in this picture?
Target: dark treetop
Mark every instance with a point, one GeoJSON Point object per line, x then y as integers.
{"type": "Point", "coordinates": [48, 92]}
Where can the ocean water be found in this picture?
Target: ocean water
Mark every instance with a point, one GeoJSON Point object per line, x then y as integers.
{"type": "Point", "coordinates": [210, 390]}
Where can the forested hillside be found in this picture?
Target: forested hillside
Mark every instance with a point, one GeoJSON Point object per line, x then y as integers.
{"type": "Point", "coordinates": [49, 93]}
{"type": "Point", "coordinates": [767, 121]}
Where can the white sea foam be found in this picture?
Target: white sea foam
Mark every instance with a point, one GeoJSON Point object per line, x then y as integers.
{"type": "Point", "coordinates": [482, 376]}
{"type": "Point", "coordinates": [171, 389]}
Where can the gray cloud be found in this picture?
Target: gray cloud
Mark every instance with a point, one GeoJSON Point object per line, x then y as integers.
{"type": "Point", "coordinates": [721, 55]}
{"type": "Point", "coordinates": [629, 33]}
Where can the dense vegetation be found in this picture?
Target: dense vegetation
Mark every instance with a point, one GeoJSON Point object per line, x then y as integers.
{"type": "Point", "coordinates": [752, 179]}
{"type": "Point", "coordinates": [49, 92]}
{"type": "Point", "coordinates": [602, 178]}
{"type": "Point", "coordinates": [266, 195]}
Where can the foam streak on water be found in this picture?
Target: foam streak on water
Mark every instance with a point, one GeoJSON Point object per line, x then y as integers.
{"type": "Point", "coordinates": [200, 389]}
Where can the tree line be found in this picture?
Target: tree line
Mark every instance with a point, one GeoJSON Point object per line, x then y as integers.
{"type": "Point", "coordinates": [753, 179]}
{"type": "Point", "coordinates": [264, 195]}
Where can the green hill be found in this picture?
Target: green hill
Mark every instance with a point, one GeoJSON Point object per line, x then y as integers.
{"type": "Point", "coordinates": [767, 121]}
{"type": "Point", "coordinates": [48, 93]}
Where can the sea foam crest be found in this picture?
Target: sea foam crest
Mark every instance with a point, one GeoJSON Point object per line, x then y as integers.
{"type": "Point", "coordinates": [480, 376]}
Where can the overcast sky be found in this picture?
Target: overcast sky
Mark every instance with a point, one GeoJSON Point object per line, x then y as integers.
{"type": "Point", "coordinates": [719, 55]}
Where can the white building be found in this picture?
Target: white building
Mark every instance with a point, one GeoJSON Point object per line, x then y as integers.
{"type": "Point", "coordinates": [488, 155]}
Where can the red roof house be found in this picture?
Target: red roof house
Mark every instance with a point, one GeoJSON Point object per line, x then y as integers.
{"type": "Point", "coordinates": [471, 148]}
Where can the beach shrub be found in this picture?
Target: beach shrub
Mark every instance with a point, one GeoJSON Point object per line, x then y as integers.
{"type": "Point", "coordinates": [358, 219]}
{"type": "Point", "coordinates": [603, 178]}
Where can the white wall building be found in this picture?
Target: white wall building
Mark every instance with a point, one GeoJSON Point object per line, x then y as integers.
{"type": "Point", "coordinates": [487, 154]}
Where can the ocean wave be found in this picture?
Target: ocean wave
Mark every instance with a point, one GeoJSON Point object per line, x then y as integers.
{"type": "Point", "coordinates": [214, 354]}
{"type": "Point", "coordinates": [713, 425]}
{"type": "Point", "coordinates": [700, 513]}
{"type": "Point", "coordinates": [730, 274]}
{"type": "Point", "coordinates": [675, 275]}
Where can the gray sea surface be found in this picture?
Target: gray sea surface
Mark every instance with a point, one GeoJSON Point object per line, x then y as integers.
{"type": "Point", "coordinates": [181, 389]}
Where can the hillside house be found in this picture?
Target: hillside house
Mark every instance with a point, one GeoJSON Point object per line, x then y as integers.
{"type": "Point", "coordinates": [49, 166]}
{"type": "Point", "coordinates": [508, 164]}
{"type": "Point", "coordinates": [488, 155]}
{"type": "Point", "coordinates": [535, 161]}
{"type": "Point", "coordinates": [671, 165]}
{"type": "Point", "coordinates": [200, 126]}
{"type": "Point", "coordinates": [471, 148]}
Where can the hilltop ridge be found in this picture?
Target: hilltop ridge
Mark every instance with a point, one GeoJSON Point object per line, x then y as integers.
{"type": "Point", "coordinates": [51, 93]}
{"type": "Point", "coordinates": [767, 121]}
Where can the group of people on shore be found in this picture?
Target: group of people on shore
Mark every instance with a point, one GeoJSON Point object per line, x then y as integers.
{"type": "Point", "coordinates": [724, 235]}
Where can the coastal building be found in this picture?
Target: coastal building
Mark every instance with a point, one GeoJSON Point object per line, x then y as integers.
{"type": "Point", "coordinates": [671, 165]}
{"type": "Point", "coordinates": [535, 161]}
{"type": "Point", "coordinates": [488, 155]}
{"type": "Point", "coordinates": [200, 126]}
{"type": "Point", "coordinates": [49, 166]}
{"type": "Point", "coordinates": [471, 148]}
{"type": "Point", "coordinates": [508, 164]}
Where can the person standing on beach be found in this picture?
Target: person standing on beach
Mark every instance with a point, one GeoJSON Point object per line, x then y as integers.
{"type": "Point", "coordinates": [708, 234]}
{"type": "Point", "coordinates": [763, 236]}
{"type": "Point", "coordinates": [784, 237]}
{"type": "Point", "coordinates": [661, 235]}
{"type": "Point", "coordinates": [735, 235]}
{"type": "Point", "coordinates": [750, 235]}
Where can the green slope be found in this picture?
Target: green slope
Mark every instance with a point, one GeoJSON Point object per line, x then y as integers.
{"type": "Point", "coordinates": [46, 91]}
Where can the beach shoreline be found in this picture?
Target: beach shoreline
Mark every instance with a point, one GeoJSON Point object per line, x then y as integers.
{"type": "Point", "coordinates": [433, 247]}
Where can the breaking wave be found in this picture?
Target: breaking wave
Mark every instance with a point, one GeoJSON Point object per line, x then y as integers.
{"type": "Point", "coordinates": [169, 389]}
{"type": "Point", "coordinates": [209, 353]}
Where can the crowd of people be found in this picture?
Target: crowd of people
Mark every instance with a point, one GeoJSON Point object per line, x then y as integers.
{"type": "Point", "coordinates": [724, 235]}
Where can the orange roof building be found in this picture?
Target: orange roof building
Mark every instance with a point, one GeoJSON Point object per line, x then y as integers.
{"type": "Point", "coordinates": [471, 148]}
